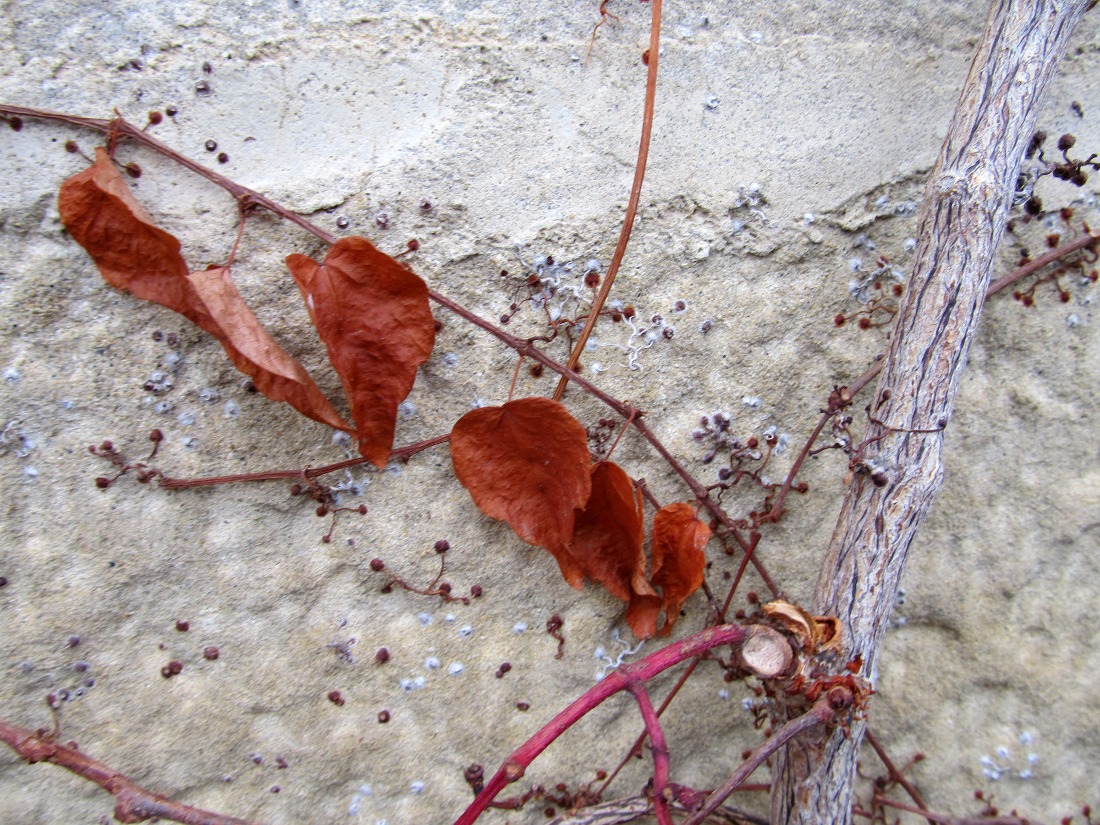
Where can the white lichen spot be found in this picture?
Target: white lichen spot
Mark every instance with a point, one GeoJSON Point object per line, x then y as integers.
{"type": "Point", "coordinates": [409, 685]}
{"type": "Point", "coordinates": [450, 360]}
{"type": "Point", "coordinates": [416, 788]}
{"type": "Point", "coordinates": [723, 694]}
{"type": "Point", "coordinates": [450, 618]}
{"type": "Point", "coordinates": [407, 409]}
{"type": "Point", "coordinates": [752, 402]}
{"type": "Point", "coordinates": [432, 663]}
{"type": "Point", "coordinates": [466, 631]}
{"type": "Point", "coordinates": [519, 627]}
{"type": "Point", "coordinates": [208, 395]}
{"type": "Point", "coordinates": [11, 376]}
{"type": "Point", "coordinates": [456, 668]}
{"type": "Point", "coordinates": [341, 439]}
{"type": "Point", "coordinates": [190, 442]}
{"type": "Point", "coordinates": [711, 103]}
{"type": "Point", "coordinates": [186, 419]}
{"type": "Point", "coordinates": [610, 664]}
{"type": "Point", "coordinates": [232, 409]}
{"type": "Point", "coordinates": [425, 619]}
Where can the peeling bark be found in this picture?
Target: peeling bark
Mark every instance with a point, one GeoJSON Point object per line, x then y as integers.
{"type": "Point", "coordinates": [962, 218]}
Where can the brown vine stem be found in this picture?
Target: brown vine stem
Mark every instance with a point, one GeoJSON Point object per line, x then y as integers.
{"type": "Point", "coordinates": [631, 809]}
{"type": "Point", "coordinates": [244, 195]}
{"type": "Point", "coordinates": [894, 774]}
{"type": "Point", "coordinates": [824, 710]}
{"type": "Point", "coordinates": [134, 803]}
{"type": "Point", "coordinates": [632, 203]}
{"type": "Point", "coordinates": [119, 127]}
{"type": "Point", "coordinates": [401, 453]}
{"type": "Point", "coordinates": [941, 819]}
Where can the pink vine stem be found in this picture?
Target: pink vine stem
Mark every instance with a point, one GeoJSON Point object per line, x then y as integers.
{"type": "Point", "coordinates": [628, 677]}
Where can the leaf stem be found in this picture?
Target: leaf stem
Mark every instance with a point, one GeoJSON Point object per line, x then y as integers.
{"type": "Point", "coordinates": [635, 195]}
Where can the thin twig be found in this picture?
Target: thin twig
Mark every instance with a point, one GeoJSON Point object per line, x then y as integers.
{"type": "Point", "coordinates": [822, 711]}
{"type": "Point", "coordinates": [942, 819]}
{"type": "Point", "coordinates": [894, 774]}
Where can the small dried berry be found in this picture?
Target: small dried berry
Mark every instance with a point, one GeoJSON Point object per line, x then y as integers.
{"type": "Point", "coordinates": [1065, 142]}
{"type": "Point", "coordinates": [336, 697]}
{"type": "Point", "coordinates": [210, 653]}
{"type": "Point", "coordinates": [377, 565]}
{"type": "Point", "coordinates": [182, 626]}
{"type": "Point", "coordinates": [382, 656]}
{"type": "Point", "coordinates": [383, 716]}
{"type": "Point", "coordinates": [442, 546]}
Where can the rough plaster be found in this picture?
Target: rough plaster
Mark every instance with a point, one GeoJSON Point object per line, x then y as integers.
{"type": "Point", "coordinates": [524, 149]}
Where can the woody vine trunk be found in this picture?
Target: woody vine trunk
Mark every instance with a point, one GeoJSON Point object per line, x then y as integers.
{"type": "Point", "coordinates": [968, 196]}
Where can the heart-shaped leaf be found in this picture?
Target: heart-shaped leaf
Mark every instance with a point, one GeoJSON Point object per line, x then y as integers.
{"type": "Point", "coordinates": [527, 463]}
{"type": "Point", "coordinates": [372, 313]}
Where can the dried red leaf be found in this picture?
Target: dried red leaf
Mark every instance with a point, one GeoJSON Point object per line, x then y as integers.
{"type": "Point", "coordinates": [136, 255]}
{"type": "Point", "coordinates": [372, 313]}
{"type": "Point", "coordinates": [607, 544]}
{"type": "Point", "coordinates": [678, 559]}
{"type": "Point", "coordinates": [527, 463]}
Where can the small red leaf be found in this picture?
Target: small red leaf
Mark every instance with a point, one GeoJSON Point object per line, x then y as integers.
{"type": "Point", "coordinates": [678, 559]}
{"type": "Point", "coordinates": [136, 255]}
{"type": "Point", "coordinates": [372, 313]}
{"type": "Point", "coordinates": [527, 463]}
